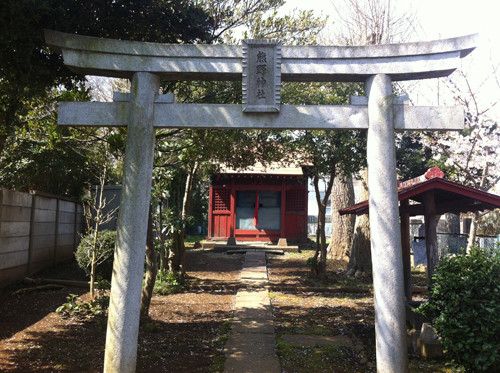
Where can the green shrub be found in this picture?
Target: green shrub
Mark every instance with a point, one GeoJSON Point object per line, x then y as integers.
{"type": "Point", "coordinates": [464, 305]}
{"type": "Point", "coordinates": [169, 283]}
{"type": "Point", "coordinates": [105, 249]}
{"type": "Point", "coordinates": [76, 307]}
{"type": "Point", "coordinates": [313, 264]}
{"type": "Point", "coordinates": [104, 284]}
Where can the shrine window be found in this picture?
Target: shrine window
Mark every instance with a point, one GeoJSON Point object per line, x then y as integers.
{"type": "Point", "coordinates": [222, 199]}
{"type": "Point", "coordinates": [258, 210]}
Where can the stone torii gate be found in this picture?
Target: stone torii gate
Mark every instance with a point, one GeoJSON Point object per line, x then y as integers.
{"type": "Point", "coordinates": [262, 65]}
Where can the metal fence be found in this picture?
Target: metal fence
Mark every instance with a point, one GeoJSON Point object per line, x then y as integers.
{"type": "Point", "coordinates": [312, 225]}
{"type": "Point", "coordinates": [448, 243]}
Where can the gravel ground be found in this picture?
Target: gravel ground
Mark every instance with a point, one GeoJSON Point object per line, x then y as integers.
{"type": "Point", "coordinates": [186, 331]}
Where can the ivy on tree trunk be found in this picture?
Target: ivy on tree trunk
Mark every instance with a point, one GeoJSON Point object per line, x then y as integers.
{"type": "Point", "coordinates": [342, 225]}
{"type": "Point", "coordinates": [360, 260]}
{"type": "Point", "coordinates": [151, 268]}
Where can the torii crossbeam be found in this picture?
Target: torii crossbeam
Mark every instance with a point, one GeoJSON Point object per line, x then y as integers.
{"type": "Point", "coordinates": [262, 65]}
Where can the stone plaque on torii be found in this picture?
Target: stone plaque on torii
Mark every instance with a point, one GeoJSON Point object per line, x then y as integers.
{"type": "Point", "coordinates": [143, 110]}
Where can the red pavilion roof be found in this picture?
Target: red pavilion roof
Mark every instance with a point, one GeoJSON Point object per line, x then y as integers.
{"type": "Point", "coordinates": [449, 197]}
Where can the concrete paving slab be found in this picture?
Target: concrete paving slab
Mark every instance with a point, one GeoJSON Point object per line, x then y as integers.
{"type": "Point", "coordinates": [242, 305]}
{"type": "Point", "coordinates": [259, 268]}
{"type": "Point", "coordinates": [263, 313]}
{"type": "Point", "coordinates": [254, 275]}
{"type": "Point", "coordinates": [254, 266]}
{"type": "Point", "coordinates": [250, 300]}
{"type": "Point", "coordinates": [248, 282]}
{"type": "Point", "coordinates": [254, 283]}
{"type": "Point", "coordinates": [251, 267]}
{"type": "Point", "coordinates": [256, 344]}
{"type": "Point", "coordinates": [262, 326]}
{"type": "Point", "coordinates": [255, 256]}
{"type": "Point", "coordinates": [249, 364]}
{"type": "Point", "coordinates": [251, 284]}
{"type": "Point", "coordinates": [253, 292]}
{"type": "Point", "coordinates": [251, 346]}
{"type": "Point", "coordinates": [256, 269]}
{"type": "Point", "coordinates": [254, 263]}
{"type": "Point", "coordinates": [253, 296]}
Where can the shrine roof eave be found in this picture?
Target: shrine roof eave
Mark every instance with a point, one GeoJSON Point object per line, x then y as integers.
{"type": "Point", "coordinates": [259, 174]}
{"type": "Point", "coordinates": [122, 58]}
{"type": "Point", "coordinates": [258, 169]}
{"type": "Point", "coordinates": [449, 197]}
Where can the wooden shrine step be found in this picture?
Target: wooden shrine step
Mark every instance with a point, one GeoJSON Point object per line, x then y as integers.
{"type": "Point", "coordinates": [249, 249]}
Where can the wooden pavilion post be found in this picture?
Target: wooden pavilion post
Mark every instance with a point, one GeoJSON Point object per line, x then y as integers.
{"type": "Point", "coordinates": [232, 217]}
{"type": "Point", "coordinates": [405, 246]}
{"type": "Point", "coordinates": [431, 249]}
{"type": "Point", "coordinates": [283, 211]}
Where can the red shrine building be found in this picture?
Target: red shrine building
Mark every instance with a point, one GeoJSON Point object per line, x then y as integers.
{"type": "Point", "coordinates": [258, 204]}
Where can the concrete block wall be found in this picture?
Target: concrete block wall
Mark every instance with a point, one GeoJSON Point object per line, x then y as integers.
{"type": "Point", "coordinates": [37, 230]}
{"type": "Point", "coordinates": [111, 195]}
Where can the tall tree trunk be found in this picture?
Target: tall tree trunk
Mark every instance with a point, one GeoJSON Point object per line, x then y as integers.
{"type": "Point", "coordinates": [342, 225]}
{"type": "Point", "coordinates": [322, 241]}
{"type": "Point", "coordinates": [164, 248]}
{"type": "Point", "coordinates": [3, 140]}
{"type": "Point", "coordinates": [151, 268]}
{"type": "Point", "coordinates": [99, 207]}
{"type": "Point", "coordinates": [174, 260]}
{"type": "Point", "coordinates": [322, 203]}
{"type": "Point", "coordinates": [472, 231]}
{"type": "Point", "coordinates": [450, 224]}
{"type": "Point", "coordinates": [93, 261]}
{"type": "Point", "coordinates": [360, 261]}
{"type": "Point", "coordinates": [179, 260]}
{"type": "Point", "coordinates": [474, 223]}
{"type": "Point", "coordinates": [8, 118]}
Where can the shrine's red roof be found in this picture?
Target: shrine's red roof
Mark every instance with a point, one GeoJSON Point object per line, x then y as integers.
{"type": "Point", "coordinates": [272, 169]}
{"type": "Point", "coordinates": [449, 197]}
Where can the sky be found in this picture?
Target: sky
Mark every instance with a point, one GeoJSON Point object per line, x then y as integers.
{"type": "Point", "coordinates": [440, 19]}
{"type": "Point", "coordinates": [445, 18]}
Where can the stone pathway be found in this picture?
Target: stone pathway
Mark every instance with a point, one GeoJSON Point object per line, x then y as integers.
{"type": "Point", "coordinates": [251, 344]}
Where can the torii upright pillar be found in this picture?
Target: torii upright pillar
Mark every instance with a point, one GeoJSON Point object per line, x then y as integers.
{"type": "Point", "coordinates": [128, 266]}
{"type": "Point", "coordinates": [387, 262]}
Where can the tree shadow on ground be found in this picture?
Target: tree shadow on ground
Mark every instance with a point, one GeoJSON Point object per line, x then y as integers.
{"type": "Point", "coordinates": [206, 261]}
{"type": "Point", "coordinates": [230, 286]}
{"type": "Point", "coordinates": [325, 314]}
{"type": "Point", "coordinates": [179, 344]}
{"type": "Point", "coordinates": [216, 269]}
{"type": "Point", "coordinates": [17, 312]}
{"type": "Point", "coordinates": [289, 271]}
